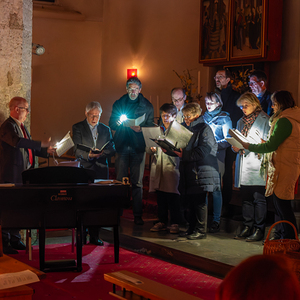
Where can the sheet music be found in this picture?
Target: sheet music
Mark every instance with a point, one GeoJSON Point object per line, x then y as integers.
{"type": "Point", "coordinates": [9, 280]}
{"type": "Point", "coordinates": [237, 137]}
{"type": "Point", "coordinates": [64, 145]}
{"type": "Point", "coordinates": [151, 133]}
{"type": "Point", "coordinates": [178, 135]}
{"type": "Point", "coordinates": [134, 122]}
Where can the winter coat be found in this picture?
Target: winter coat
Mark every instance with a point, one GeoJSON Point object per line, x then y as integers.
{"type": "Point", "coordinates": [198, 167]}
{"type": "Point", "coordinates": [247, 165]}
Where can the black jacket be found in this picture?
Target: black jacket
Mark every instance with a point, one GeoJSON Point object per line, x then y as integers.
{"type": "Point", "coordinates": [125, 136]}
{"type": "Point", "coordinates": [199, 172]}
{"type": "Point", "coordinates": [82, 135]}
{"type": "Point", "coordinates": [14, 157]}
{"type": "Point", "coordinates": [229, 98]}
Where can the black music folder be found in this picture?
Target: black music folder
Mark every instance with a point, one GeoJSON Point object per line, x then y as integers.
{"type": "Point", "coordinates": [88, 149]}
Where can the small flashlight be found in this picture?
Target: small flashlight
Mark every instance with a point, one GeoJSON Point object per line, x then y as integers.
{"type": "Point", "coordinates": [122, 119]}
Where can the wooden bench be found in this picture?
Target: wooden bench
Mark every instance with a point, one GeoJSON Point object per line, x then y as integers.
{"type": "Point", "coordinates": [10, 265]}
{"type": "Point", "coordinates": [134, 286]}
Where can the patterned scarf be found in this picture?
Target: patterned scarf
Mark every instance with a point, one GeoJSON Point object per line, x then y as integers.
{"type": "Point", "coordinates": [249, 120]}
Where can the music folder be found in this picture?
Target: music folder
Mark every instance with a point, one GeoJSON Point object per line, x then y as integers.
{"type": "Point", "coordinates": [88, 149]}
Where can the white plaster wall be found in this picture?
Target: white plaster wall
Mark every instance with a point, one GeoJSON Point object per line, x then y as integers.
{"type": "Point", "coordinates": [66, 77]}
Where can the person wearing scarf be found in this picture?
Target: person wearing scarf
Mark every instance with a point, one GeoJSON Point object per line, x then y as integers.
{"type": "Point", "coordinates": [283, 160]}
{"type": "Point", "coordinates": [220, 122]}
{"type": "Point", "coordinates": [255, 126]}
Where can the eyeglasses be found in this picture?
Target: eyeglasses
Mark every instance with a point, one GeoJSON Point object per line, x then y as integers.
{"type": "Point", "coordinates": [188, 117]}
{"type": "Point", "coordinates": [94, 116]}
{"type": "Point", "coordinates": [132, 90]}
{"type": "Point", "coordinates": [177, 100]}
{"type": "Point", "coordinates": [244, 106]}
{"type": "Point", "coordinates": [26, 108]}
{"type": "Point", "coordinates": [250, 83]}
{"type": "Point", "coordinates": [166, 116]}
{"type": "Point", "coordinates": [219, 77]}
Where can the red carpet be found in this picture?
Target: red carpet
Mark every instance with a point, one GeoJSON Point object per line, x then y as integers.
{"type": "Point", "coordinates": [89, 284]}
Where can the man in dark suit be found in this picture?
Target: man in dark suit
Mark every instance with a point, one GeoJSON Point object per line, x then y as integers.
{"type": "Point", "coordinates": [258, 85]}
{"type": "Point", "coordinates": [95, 136]}
{"type": "Point", "coordinates": [17, 153]}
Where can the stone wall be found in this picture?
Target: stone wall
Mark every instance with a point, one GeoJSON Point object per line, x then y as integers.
{"type": "Point", "coordinates": [15, 52]}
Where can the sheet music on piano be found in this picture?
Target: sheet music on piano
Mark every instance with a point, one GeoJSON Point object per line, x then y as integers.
{"type": "Point", "coordinates": [64, 145]}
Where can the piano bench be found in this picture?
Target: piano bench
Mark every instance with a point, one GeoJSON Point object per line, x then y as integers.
{"type": "Point", "coordinates": [134, 286]}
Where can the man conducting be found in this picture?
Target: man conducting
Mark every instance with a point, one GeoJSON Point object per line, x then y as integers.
{"type": "Point", "coordinates": [130, 144]}
{"type": "Point", "coordinates": [17, 153]}
{"type": "Point", "coordinates": [93, 146]}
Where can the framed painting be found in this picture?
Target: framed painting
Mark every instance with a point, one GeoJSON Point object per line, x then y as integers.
{"type": "Point", "coordinates": [214, 31]}
{"type": "Point", "coordinates": [248, 29]}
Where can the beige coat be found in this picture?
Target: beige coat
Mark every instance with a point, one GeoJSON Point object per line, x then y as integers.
{"type": "Point", "coordinates": [284, 167]}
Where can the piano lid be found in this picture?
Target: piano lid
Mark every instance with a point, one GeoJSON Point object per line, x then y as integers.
{"type": "Point", "coordinates": [58, 175]}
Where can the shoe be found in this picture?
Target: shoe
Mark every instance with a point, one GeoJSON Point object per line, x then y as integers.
{"type": "Point", "coordinates": [159, 227]}
{"type": "Point", "coordinates": [185, 233]}
{"type": "Point", "coordinates": [18, 245]}
{"type": "Point", "coordinates": [138, 221]}
{"type": "Point", "coordinates": [9, 250]}
{"type": "Point", "coordinates": [196, 235]}
{"type": "Point", "coordinates": [258, 235]}
{"type": "Point", "coordinates": [244, 233]}
{"type": "Point", "coordinates": [215, 227]}
{"type": "Point", "coordinates": [174, 228]}
{"type": "Point", "coordinates": [96, 241]}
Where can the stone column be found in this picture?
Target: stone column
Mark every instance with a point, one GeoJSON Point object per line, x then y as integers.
{"type": "Point", "coordinates": [15, 52]}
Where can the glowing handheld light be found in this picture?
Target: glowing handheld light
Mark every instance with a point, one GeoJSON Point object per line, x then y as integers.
{"type": "Point", "coordinates": [122, 119]}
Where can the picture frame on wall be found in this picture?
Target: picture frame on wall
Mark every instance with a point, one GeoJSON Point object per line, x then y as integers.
{"type": "Point", "coordinates": [214, 31]}
{"type": "Point", "coordinates": [248, 29]}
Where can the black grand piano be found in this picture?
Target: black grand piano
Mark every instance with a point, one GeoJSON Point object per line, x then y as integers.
{"type": "Point", "coordinates": [63, 197]}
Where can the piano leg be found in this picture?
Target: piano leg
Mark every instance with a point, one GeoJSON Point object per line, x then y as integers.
{"type": "Point", "coordinates": [42, 238]}
{"type": "Point", "coordinates": [116, 243]}
{"type": "Point", "coordinates": [79, 233]}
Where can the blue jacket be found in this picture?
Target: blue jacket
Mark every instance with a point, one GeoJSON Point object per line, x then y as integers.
{"type": "Point", "coordinates": [220, 122]}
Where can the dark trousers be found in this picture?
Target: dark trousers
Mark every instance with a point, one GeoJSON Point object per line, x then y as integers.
{"type": "Point", "coordinates": [168, 201]}
{"type": "Point", "coordinates": [197, 212]}
{"type": "Point", "coordinates": [254, 206]}
{"type": "Point", "coordinates": [227, 177]}
{"type": "Point", "coordinates": [284, 211]}
{"type": "Point", "coordinates": [128, 158]}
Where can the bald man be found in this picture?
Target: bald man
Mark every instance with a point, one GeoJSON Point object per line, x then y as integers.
{"type": "Point", "coordinates": [17, 153]}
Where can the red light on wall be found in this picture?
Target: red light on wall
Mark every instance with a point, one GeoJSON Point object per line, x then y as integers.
{"type": "Point", "coordinates": [131, 73]}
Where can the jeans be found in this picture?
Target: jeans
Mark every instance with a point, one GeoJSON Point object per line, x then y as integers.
{"type": "Point", "coordinates": [217, 203]}
{"type": "Point", "coordinates": [128, 158]}
{"type": "Point", "coordinates": [284, 211]}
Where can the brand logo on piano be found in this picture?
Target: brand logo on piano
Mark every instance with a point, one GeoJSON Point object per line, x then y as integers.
{"type": "Point", "coordinates": [61, 196]}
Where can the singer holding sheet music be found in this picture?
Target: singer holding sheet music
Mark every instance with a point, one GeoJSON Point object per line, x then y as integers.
{"type": "Point", "coordinates": [17, 153]}
{"type": "Point", "coordinates": [254, 124]}
{"type": "Point", "coordinates": [129, 140]}
{"type": "Point", "coordinates": [89, 137]}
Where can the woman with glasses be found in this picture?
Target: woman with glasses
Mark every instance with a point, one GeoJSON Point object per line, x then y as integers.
{"type": "Point", "coordinates": [164, 178]}
{"type": "Point", "coordinates": [254, 125]}
{"type": "Point", "coordinates": [220, 122]}
{"type": "Point", "coordinates": [282, 159]}
{"type": "Point", "coordinates": [198, 170]}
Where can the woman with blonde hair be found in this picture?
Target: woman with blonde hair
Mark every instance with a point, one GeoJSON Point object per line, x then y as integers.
{"type": "Point", "coordinates": [254, 125]}
{"type": "Point", "coordinates": [283, 159]}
